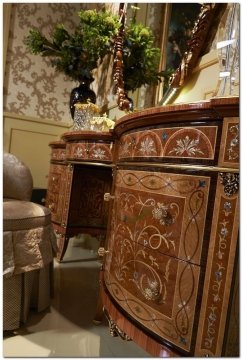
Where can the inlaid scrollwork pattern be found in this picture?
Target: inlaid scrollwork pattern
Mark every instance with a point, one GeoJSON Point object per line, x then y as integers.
{"type": "Point", "coordinates": [83, 150]}
{"type": "Point", "coordinates": [230, 144]}
{"type": "Point", "coordinates": [233, 150]}
{"type": "Point", "coordinates": [152, 261]}
{"type": "Point", "coordinates": [188, 142]}
{"type": "Point", "coordinates": [58, 154]}
{"type": "Point", "coordinates": [219, 273]}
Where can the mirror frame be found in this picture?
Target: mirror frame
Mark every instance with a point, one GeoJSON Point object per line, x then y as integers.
{"type": "Point", "coordinates": [203, 34]}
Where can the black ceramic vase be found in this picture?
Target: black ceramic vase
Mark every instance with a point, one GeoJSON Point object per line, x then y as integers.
{"type": "Point", "coordinates": [82, 94]}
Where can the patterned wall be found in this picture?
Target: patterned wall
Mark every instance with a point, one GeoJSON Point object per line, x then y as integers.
{"type": "Point", "coordinates": [31, 86]}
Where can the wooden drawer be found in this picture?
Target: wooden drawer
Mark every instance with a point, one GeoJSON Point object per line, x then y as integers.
{"type": "Point", "coordinates": [58, 154]}
{"type": "Point", "coordinates": [161, 245]}
{"type": "Point", "coordinates": [90, 151]}
{"type": "Point", "coordinates": [158, 291]}
{"type": "Point", "coordinates": [157, 248]}
{"type": "Point", "coordinates": [163, 211]}
{"type": "Point", "coordinates": [189, 142]}
{"type": "Point", "coordinates": [58, 150]}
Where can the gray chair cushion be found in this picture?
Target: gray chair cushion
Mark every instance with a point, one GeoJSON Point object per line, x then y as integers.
{"type": "Point", "coordinates": [17, 178]}
{"type": "Point", "coordinates": [23, 215]}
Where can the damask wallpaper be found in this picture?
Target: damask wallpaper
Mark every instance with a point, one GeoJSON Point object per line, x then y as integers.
{"type": "Point", "coordinates": [31, 86]}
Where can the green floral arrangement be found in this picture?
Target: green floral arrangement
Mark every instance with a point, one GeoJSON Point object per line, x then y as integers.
{"type": "Point", "coordinates": [77, 54]}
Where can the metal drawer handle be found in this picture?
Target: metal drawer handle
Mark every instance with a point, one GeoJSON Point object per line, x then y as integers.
{"type": "Point", "coordinates": [101, 251]}
{"type": "Point", "coordinates": [108, 197]}
{"type": "Point", "coordinates": [51, 206]}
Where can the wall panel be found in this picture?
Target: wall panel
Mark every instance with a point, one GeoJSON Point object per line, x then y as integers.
{"type": "Point", "coordinates": [28, 139]}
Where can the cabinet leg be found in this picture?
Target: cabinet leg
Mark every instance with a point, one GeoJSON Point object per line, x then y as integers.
{"type": "Point", "coordinates": [99, 311]}
{"type": "Point", "coordinates": [62, 246]}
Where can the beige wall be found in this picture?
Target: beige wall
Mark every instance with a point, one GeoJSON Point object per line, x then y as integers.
{"type": "Point", "coordinates": [203, 82]}
{"type": "Point", "coordinates": [28, 139]}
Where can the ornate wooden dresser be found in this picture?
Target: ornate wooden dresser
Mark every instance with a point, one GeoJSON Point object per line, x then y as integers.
{"type": "Point", "coordinates": [170, 272]}
{"type": "Point", "coordinates": [80, 173]}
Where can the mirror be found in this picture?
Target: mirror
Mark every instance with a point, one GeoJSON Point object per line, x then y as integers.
{"type": "Point", "coordinates": [202, 37]}
{"type": "Point", "coordinates": [203, 34]}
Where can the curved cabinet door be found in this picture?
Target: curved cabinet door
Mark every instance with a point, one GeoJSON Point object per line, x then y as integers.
{"type": "Point", "coordinates": [157, 248]}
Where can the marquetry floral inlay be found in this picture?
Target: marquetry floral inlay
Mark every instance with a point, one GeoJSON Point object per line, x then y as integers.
{"type": "Point", "coordinates": [58, 154]}
{"type": "Point", "coordinates": [125, 148]}
{"type": "Point", "coordinates": [219, 272]}
{"type": "Point", "coordinates": [147, 147]}
{"type": "Point", "coordinates": [99, 153]}
{"type": "Point", "coordinates": [230, 182]}
{"type": "Point", "coordinates": [192, 142]}
{"type": "Point", "coordinates": [161, 213]}
{"type": "Point", "coordinates": [78, 152]}
{"type": "Point", "coordinates": [233, 150]}
{"type": "Point", "coordinates": [187, 145]}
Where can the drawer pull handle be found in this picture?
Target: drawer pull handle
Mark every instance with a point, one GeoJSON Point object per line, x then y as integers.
{"type": "Point", "coordinates": [51, 206]}
{"type": "Point", "coordinates": [108, 197]}
{"type": "Point", "coordinates": [101, 251]}
{"type": "Point", "coordinates": [166, 217]}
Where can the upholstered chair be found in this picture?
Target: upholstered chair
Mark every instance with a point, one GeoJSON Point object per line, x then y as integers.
{"type": "Point", "coordinates": [29, 246]}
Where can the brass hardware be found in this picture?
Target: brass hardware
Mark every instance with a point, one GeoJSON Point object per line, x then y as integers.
{"type": "Point", "coordinates": [101, 251]}
{"type": "Point", "coordinates": [108, 197]}
{"type": "Point", "coordinates": [114, 330]}
{"type": "Point", "coordinates": [93, 164]}
{"type": "Point", "coordinates": [58, 235]}
{"type": "Point", "coordinates": [51, 206]}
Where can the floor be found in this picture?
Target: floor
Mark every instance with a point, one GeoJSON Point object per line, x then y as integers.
{"type": "Point", "coordinates": [66, 329]}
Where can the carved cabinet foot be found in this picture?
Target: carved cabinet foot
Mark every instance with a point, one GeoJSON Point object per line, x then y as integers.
{"type": "Point", "coordinates": [114, 329]}
{"type": "Point", "coordinates": [98, 318]}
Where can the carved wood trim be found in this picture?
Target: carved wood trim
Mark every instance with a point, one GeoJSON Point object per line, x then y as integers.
{"type": "Point", "coordinates": [122, 100]}
{"type": "Point", "coordinates": [202, 36]}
